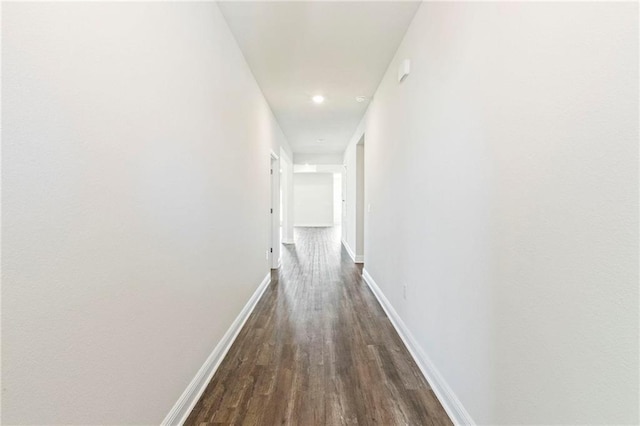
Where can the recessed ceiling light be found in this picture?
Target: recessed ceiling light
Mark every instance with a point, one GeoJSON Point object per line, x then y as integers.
{"type": "Point", "coordinates": [361, 98]}
{"type": "Point", "coordinates": [318, 99]}
{"type": "Point", "coordinates": [320, 140]}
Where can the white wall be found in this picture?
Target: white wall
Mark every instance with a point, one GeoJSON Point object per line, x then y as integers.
{"type": "Point", "coordinates": [135, 204]}
{"type": "Point", "coordinates": [320, 168]}
{"type": "Point", "coordinates": [275, 242]}
{"type": "Point", "coordinates": [301, 158]}
{"type": "Point", "coordinates": [286, 186]}
{"type": "Point", "coordinates": [359, 200]}
{"type": "Point", "coordinates": [349, 222]}
{"type": "Point", "coordinates": [337, 198]}
{"type": "Point", "coordinates": [503, 179]}
{"type": "Point", "coordinates": [313, 199]}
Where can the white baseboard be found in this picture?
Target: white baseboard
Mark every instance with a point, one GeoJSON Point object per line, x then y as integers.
{"type": "Point", "coordinates": [352, 255]}
{"type": "Point", "coordinates": [190, 396]}
{"type": "Point", "coordinates": [444, 393]}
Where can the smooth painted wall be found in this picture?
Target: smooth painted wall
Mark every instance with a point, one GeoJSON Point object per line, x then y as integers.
{"type": "Point", "coordinates": [337, 198]}
{"type": "Point", "coordinates": [286, 188]}
{"type": "Point", "coordinates": [317, 159]}
{"type": "Point", "coordinates": [359, 200]}
{"type": "Point", "coordinates": [313, 199]}
{"type": "Point", "coordinates": [135, 200]}
{"type": "Point", "coordinates": [503, 179]}
{"type": "Point", "coordinates": [349, 215]}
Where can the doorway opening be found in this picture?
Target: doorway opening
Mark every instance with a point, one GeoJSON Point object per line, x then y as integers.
{"type": "Point", "coordinates": [273, 253]}
{"type": "Point", "coordinates": [317, 195]}
{"type": "Point", "coordinates": [360, 201]}
{"type": "Point", "coordinates": [353, 201]}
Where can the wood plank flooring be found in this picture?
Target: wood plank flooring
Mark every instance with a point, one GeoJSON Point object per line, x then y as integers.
{"type": "Point", "coordinates": [318, 350]}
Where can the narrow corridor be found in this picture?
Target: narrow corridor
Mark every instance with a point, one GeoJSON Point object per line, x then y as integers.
{"type": "Point", "coordinates": [318, 350]}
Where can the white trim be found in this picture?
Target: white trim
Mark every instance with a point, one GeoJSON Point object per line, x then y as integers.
{"type": "Point", "coordinates": [349, 251]}
{"type": "Point", "coordinates": [443, 392]}
{"type": "Point", "coordinates": [288, 241]}
{"type": "Point", "coordinates": [182, 408]}
{"type": "Point", "coordinates": [314, 225]}
{"type": "Point", "coordinates": [274, 155]}
{"type": "Point", "coordinates": [279, 263]}
{"type": "Point", "coordinates": [356, 258]}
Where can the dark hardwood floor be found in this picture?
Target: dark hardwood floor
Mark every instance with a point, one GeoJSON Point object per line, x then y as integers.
{"type": "Point", "coordinates": [318, 350]}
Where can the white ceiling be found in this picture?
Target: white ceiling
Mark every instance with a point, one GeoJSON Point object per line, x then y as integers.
{"type": "Point", "coordinates": [338, 49]}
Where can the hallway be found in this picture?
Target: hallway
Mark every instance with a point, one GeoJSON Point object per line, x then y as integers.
{"type": "Point", "coordinates": [318, 350]}
{"type": "Point", "coordinates": [320, 213]}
